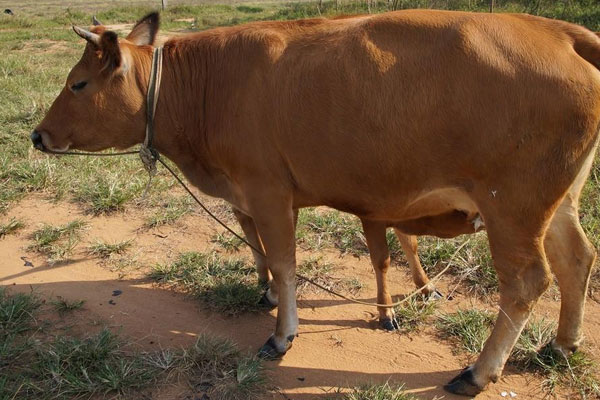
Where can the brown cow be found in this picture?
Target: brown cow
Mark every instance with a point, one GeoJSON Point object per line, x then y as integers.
{"type": "Point", "coordinates": [391, 117]}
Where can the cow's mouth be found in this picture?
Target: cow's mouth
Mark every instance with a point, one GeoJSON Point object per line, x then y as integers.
{"type": "Point", "coordinates": [40, 147]}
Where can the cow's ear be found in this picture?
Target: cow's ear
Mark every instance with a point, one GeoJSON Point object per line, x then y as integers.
{"type": "Point", "coordinates": [111, 53]}
{"type": "Point", "coordinates": [144, 32]}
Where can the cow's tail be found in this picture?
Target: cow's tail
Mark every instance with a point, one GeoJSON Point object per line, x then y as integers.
{"type": "Point", "coordinates": [586, 44]}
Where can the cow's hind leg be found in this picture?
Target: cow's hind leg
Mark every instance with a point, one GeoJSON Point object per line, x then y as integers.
{"type": "Point", "coordinates": [380, 258]}
{"type": "Point", "coordinates": [571, 258]}
{"type": "Point", "coordinates": [523, 273]}
{"type": "Point", "coordinates": [249, 228]}
{"type": "Point", "coordinates": [409, 246]}
{"type": "Point", "coordinates": [262, 266]}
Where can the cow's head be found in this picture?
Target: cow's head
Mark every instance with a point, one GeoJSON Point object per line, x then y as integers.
{"type": "Point", "coordinates": [103, 102]}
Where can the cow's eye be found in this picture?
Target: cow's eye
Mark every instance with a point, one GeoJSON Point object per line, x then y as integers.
{"type": "Point", "coordinates": [78, 86]}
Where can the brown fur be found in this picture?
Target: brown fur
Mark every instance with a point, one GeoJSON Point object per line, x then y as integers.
{"type": "Point", "coordinates": [394, 117]}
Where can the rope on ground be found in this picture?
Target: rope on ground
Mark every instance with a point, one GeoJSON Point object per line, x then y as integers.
{"type": "Point", "coordinates": [404, 300]}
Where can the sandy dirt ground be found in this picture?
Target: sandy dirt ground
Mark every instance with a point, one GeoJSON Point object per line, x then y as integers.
{"type": "Point", "coordinates": [339, 343]}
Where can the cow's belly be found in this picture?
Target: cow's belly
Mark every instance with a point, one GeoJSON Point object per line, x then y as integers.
{"type": "Point", "coordinates": [446, 225]}
{"type": "Point", "coordinates": [403, 206]}
{"type": "Point", "coordinates": [443, 213]}
{"type": "Point", "coordinates": [438, 201]}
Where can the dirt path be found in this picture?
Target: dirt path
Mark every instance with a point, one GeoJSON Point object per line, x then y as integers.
{"type": "Point", "coordinates": [338, 344]}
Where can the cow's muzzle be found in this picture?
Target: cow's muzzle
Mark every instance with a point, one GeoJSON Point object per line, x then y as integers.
{"type": "Point", "coordinates": [36, 139]}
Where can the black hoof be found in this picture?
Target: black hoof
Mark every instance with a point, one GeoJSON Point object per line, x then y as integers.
{"type": "Point", "coordinates": [389, 324]}
{"type": "Point", "coordinates": [265, 302]}
{"type": "Point", "coordinates": [269, 350]}
{"type": "Point", "coordinates": [435, 295]}
{"type": "Point", "coordinates": [463, 384]}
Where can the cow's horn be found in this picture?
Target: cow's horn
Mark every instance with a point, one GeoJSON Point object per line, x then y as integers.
{"type": "Point", "coordinates": [95, 21]}
{"type": "Point", "coordinates": [87, 35]}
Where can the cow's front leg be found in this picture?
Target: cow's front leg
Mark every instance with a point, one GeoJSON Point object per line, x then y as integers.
{"type": "Point", "coordinates": [275, 224]}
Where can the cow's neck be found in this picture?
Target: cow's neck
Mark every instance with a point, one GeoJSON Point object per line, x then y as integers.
{"type": "Point", "coordinates": [180, 120]}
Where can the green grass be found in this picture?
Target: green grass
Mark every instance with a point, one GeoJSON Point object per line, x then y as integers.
{"type": "Point", "coordinates": [589, 215]}
{"type": "Point", "coordinates": [106, 250]}
{"type": "Point", "coordinates": [17, 317]}
{"type": "Point", "coordinates": [230, 285]}
{"type": "Point", "coordinates": [249, 9]}
{"type": "Point", "coordinates": [109, 192]}
{"type": "Point", "coordinates": [123, 264]}
{"type": "Point", "coordinates": [64, 306]}
{"type": "Point", "coordinates": [319, 228]}
{"type": "Point", "coordinates": [472, 266]}
{"type": "Point", "coordinates": [222, 371]}
{"type": "Point", "coordinates": [469, 328]}
{"type": "Point", "coordinates": [415, 312]}
{"type": "Point", "coordinates": [577, 373]}
{"type": "Point", "coordinates": [536, 334]}
{"type": "Point", "coordinates": [70, 367]}
{"type": "Point", "coordinates": [169, 211]}
{"type": "Point", "coordinates": [17, 312]}
{"type": "Point", "coordinates": [57, 242]}
{"type": "Point", "coordinates": [316, 269]}
{"type": "Point", "coordinates": [11, 226]}
{"type": "Point", "coordinates": [321, 272]}
{"type": "Point", "coordinates": [34, 363]}
{"type": "Point", "coordinates": [227, 285]}
{"type": "Point", "coordinates": [378, 392]}
{"type": "Point", "coordinates": [227, 241]}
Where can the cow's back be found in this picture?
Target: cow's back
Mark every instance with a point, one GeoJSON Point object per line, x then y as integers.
{"type": "Point", "coordinates": [374, 111]}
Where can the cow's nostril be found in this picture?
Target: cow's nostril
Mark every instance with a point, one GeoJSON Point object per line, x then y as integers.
{"type": "Point", "coordinates": [36, 139]}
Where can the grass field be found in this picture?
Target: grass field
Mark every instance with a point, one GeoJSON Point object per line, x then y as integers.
{"type": "Point", "coordinates": [38, 49]}
{"type": "Point", "coordinates": [39, 360]}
